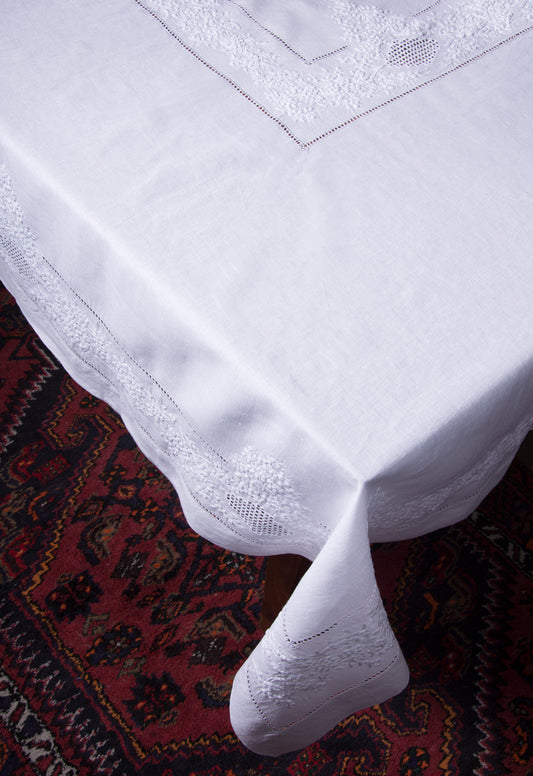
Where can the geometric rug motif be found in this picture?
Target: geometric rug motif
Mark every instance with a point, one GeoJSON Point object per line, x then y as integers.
{"type": "Point", "coordinates": [121, 630]}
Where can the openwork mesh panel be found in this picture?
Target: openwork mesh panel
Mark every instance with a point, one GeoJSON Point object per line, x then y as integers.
{"type": "Point", "coordinates": [255, 517]}
{"type": "Point", "coordinates": [413, 53]}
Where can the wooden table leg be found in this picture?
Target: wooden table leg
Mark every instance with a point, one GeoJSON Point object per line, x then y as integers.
{"type": "Point", "coordinates": [283, 572]}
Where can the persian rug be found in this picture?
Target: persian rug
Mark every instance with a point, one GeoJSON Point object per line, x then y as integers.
{"type": "Point", "coordinates": [120, 629]}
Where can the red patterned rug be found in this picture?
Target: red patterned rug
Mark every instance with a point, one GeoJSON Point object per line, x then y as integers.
{"type": "Point", "coordinates": [120, 630]}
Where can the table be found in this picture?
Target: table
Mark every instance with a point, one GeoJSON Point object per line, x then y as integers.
{"type": "Point", "coordinates": [291, 245]}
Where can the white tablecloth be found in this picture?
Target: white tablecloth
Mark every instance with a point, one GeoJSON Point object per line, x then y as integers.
{"type": "Point", "coordinates": [291, 243]}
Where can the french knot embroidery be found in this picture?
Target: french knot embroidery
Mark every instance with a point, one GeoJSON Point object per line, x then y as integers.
{"type": "Point", "coordinates": [282, 669]}
{"type": "Point", "coordinates": [380, 53]}
{"type": "Point", "coordinates": [250, 493]}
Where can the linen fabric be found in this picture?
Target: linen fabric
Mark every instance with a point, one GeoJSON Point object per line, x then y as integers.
{"type": "Point", "coordinates": [292, 247]}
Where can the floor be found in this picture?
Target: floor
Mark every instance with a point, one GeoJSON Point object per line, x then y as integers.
{"type": "Point", "coordinates": [525, 454]}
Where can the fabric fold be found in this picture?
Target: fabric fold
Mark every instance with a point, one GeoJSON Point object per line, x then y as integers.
{"type": "Point", "coordinates": [330, 652]}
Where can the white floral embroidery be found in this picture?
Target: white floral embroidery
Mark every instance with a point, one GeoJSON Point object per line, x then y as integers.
{"type": "Point", "coordinates": [390, 514]}
{"type": "Point", "coordinates": [381, 54]}
{"type": "Point", "coordinates": [250, 493]}
{"type": "Point", "coordinates": [358, 640]}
